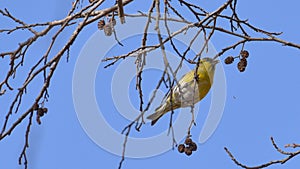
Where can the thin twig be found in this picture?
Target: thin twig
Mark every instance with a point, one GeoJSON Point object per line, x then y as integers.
{"type": "Point", "coordinates": [289, 155]}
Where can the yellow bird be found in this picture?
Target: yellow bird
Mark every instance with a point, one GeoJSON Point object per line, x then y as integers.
{"type": "Point", "coordinates": [189, 90]}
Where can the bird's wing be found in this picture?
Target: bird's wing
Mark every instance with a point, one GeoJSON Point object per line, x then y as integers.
{"type": "Point", "coordinates": [186, 93]}
{"type": "Point", "coordinates": [185, 90]}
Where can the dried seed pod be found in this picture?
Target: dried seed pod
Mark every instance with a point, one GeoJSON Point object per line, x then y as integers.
{"type": "Point", "coordinates": [188, 151]}
{"type": "Point", "coordinates": [40, 112]}
{"type": "Point", "coordinates": [193, 146]}
{"type": "Point", "coordinates": [244, 61]}
{"type": "Point", "coordinates": [229, 60]}
{"type": "Point", "coordinates": [181, 148]}
{"type": "Point", "coordinates": [45, 110]}
{"type": "Point", "coordinates": [107, 30]}
{"type": "Point", "coordinates": [188, 141]}
{"type": "Point", "coordinates": [242, 66]}
{"type": "Point", "coordinates": [101, 24]}
{"type": "Point", "coordinates": [244, 54]}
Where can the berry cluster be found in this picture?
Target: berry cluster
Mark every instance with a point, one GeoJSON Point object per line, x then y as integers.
{"type": "Point", "coordinates": [40, 112]}
{"type": "Point", "coordinates": [188, 147]}
{"type": "Point", "coordinates": [242, 64]}
{"type": "Point", "coordinates": [107, 27]}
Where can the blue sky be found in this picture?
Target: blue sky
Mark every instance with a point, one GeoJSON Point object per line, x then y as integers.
{"type": "Point", "coordinates": [260, 103]}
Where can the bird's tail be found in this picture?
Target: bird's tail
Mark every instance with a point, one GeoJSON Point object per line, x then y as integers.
{"type": "Point", "coordinates": [160, 111]}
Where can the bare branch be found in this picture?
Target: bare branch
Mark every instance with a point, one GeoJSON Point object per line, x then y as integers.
{"type": "Point", "coordinates": [289, 155]}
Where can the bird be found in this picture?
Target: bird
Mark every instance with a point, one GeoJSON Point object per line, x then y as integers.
{"type": "Point", "coordinates": [189, 90]}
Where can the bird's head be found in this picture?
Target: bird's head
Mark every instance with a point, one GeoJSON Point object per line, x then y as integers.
{"type": "Point", "coordinates": [209, 63]}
